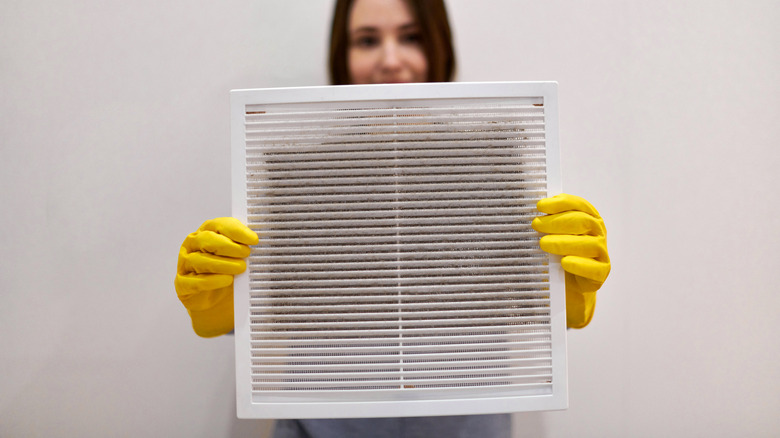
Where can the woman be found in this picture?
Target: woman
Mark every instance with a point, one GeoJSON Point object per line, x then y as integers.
{"type": "Point", "coordinates": [390, 41]}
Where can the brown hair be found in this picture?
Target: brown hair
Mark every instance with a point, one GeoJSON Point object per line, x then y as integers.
{"type": "Point", "coordinates": [431, 15]}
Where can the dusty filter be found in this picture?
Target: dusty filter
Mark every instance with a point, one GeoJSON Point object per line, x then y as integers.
{"type": "Point", "coordinates": [397, 272]}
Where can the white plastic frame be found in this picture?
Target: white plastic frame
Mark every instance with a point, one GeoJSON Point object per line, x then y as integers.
{"type": "Point", "coordinates": [249, 408]}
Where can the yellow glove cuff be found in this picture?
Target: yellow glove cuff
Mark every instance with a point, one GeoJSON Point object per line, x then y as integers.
{"type": "Point", "coordinates": [580, 306]}
{"type": "Point", "coordinates": [216, 320]}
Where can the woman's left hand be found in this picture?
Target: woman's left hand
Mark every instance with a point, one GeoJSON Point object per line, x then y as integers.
{"type": "Point", "coordinates": [576, 231]}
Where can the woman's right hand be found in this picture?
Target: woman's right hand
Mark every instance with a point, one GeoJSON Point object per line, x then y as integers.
{"type": "Point", "coordinates": [208, 260]}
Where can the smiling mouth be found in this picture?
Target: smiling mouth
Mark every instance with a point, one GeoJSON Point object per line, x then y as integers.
{"type": "Point", "coordinates": [395, 81]}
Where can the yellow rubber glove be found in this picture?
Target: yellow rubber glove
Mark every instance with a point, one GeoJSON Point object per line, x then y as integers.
{"type": "Point", "coordinates": [576, 231]}
{"type": "Point", "coordinates": [208, 260]}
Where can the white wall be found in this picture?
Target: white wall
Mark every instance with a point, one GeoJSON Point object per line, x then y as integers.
{"type": "Point", "coordinates": [114, 130]}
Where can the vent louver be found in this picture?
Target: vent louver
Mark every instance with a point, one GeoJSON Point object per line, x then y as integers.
{"type": "Point", "coordinates": [397, 273]}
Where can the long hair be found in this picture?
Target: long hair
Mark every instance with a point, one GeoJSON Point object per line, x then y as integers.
{"type": "Point", "coordinates": [435, 31]}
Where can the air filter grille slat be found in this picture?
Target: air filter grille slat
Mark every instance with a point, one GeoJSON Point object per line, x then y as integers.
{"type": "Point", "coordinates": [396, 254]}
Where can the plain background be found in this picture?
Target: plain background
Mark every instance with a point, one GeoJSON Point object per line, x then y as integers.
{"type": "Point", "coordinates": [114, 122]}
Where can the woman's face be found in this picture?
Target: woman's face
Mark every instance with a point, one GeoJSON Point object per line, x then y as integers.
{"type": "Point", "coordinates": [384, 43]}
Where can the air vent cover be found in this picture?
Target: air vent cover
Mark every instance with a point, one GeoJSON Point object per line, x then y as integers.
{"type": "Point", "coordinates": [397, 273]}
